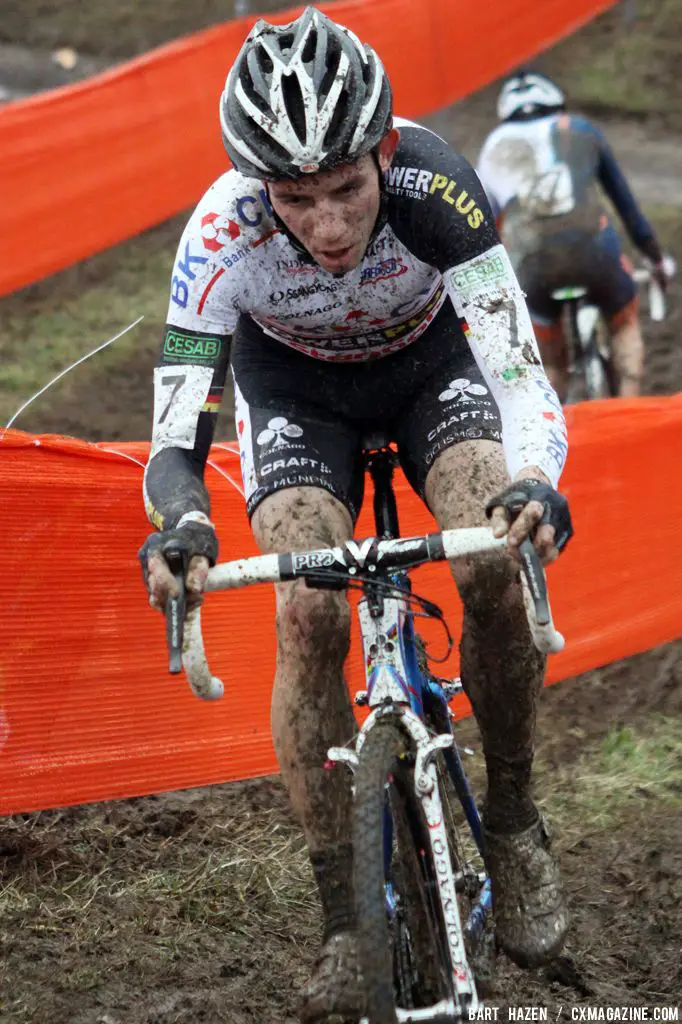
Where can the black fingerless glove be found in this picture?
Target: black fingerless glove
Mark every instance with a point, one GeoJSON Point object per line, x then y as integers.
{"type": "Point", "coordinates": [556, 511]}
{"type": "Point", "coordinates": [190, 539]}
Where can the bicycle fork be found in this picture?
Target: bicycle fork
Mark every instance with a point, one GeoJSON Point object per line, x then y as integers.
{"type": "Point", "coordinates": [389, 692]}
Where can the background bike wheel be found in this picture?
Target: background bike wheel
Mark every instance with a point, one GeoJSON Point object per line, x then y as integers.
{"type": "Point", "coordinates": [591, 357]}
{"type": "Point", "coordinates": [404, 955]}
{"type": "Point", "coordinates": [600, 376]}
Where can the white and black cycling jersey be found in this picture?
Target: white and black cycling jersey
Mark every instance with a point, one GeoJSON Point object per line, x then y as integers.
{"type": "Point", "coordinates": [439, 244]}
{"type": "Point", "coordinates": [232, 259]}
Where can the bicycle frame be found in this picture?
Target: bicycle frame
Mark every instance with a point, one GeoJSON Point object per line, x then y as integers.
{"type": "Point", "coordinates": [396, 686]}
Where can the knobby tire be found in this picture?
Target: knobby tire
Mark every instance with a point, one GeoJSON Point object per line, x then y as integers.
{"type": "Point", "coordinates": [385, 770]}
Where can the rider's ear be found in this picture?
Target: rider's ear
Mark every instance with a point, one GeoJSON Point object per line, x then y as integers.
{"type": "Point", "coordinates": [387, 147]}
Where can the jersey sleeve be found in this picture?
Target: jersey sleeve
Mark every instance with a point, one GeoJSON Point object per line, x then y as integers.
{"type": "Point", "coordinates": [188, 387]}
{"type": "Point", "coordinates": [488, 298]}
{"type": "Point", "coordinates": [616, 187]}
{"type": "Point", "coordinates": [446, 220]}
{"type": "Point", "coordinates": [189, 379]}
{"type": "Point", "coordinates": [205, 280]}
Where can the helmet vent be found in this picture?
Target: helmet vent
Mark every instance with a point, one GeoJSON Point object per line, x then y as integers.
{"type": "Point", "coordinates": [253, 78]}
{"type": "Point", "coordinates": [309, 49]}
{"type": "Point", "coordinates": [264, 60]}
{"type": "Point", "coordinates": [335, 124]}
{"type": "Point", "coordinates": [261, 138]}
{"type": "Point", "coordinates": [286, 43]}
{"type": "Point", "coordinates": [293, 102]}
{"type": "Point", "coordinates": [330, 73]}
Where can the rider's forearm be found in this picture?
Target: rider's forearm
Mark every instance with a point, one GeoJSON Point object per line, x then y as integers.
{"type": "Point", "coordinates": [173, 487]}
{"type": "Point", "coordinates": [188, 387]}
{"type": "Point", "coordinates": [652, 250]}
{"type": "Point", "coordinates": [615, 184]}
{"type": "Point", "coordinates": [532, 473]}
{"type": "Point", "coordinates": [487, 295]}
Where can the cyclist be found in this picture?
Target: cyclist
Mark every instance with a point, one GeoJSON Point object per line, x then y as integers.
{"type": "Point", "coordinates": [542, 168]}
{"type": "Point", "coordinates": [351, 264]}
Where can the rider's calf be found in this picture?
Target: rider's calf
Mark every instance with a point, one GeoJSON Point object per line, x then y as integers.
{"type": "Point", "coordinates": [311, 709]}
{"type": "Point", "coordinates": [313, 625]}
{"type": "Point", "coordinates": [501, 670]}
{"type": "Point", "coordinates": [501, 673]}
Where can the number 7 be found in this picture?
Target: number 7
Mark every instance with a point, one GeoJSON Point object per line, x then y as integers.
{"type": "Point", "coordinates": [178, 379]}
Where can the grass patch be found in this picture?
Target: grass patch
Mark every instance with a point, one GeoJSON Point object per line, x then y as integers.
{"type": "Point", "coordinates": [624, 63]}
{"type": "Point", "coordinates": [629, 769]}
{"type": "Point", "coordinates": [124, 885]}
{"type": "Point", "coordinates": [50, 324]}
{"type": "Point", "coordinates": [111, 30]}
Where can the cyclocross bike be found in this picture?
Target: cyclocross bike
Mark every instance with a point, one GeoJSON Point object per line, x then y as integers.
{"type": "Point", "coordinates": [423, 897]}
{"type": "Point", "coordinates": [592, 372]}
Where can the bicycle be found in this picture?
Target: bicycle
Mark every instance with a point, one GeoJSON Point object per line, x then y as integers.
{"type": "Point", "coordinates": [589, 341]}
{"type": "Point", "coordinates": [423, 898]}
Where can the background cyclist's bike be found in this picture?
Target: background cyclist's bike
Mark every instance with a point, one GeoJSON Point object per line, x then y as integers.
{"type": "Point", "coordinates": [423, 897]}
{"type": "Point", "coordinates": [592, 373]}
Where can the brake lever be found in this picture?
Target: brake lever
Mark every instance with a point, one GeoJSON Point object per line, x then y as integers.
{"type": "Point", "coordinates": [535, 577]}
{"type": "Point", "coordinates": [175, 608]}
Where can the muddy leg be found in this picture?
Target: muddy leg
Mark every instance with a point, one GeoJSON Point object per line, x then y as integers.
{"type": "Point", "coordinates": [627, 346]}
{"type": "Point", "coordinates": [501, 670]}
{"type": "Point", "coordinates": [311, 709]}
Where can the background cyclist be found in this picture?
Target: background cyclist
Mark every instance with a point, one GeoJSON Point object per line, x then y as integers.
{"type": "Point", "coordinates": [542, 169]}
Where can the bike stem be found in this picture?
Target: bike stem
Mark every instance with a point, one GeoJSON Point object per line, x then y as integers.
{"type": "Point", "coordinates": [381, 465]}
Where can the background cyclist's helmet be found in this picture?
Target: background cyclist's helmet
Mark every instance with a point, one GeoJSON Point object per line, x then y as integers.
{"type": "Point", "coordinates": [529, 94]}
{"type": "Point", "coordinates": [303, 97]}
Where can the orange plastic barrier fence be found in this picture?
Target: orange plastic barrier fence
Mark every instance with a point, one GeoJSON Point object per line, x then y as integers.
{"type": "Point", "coordinates": [87, 708]}
{"type": "Point", "coordinates": [89, 165]}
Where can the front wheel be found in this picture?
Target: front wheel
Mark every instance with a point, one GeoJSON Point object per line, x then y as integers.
{"type": "Point", "coordinates": [403, 947]}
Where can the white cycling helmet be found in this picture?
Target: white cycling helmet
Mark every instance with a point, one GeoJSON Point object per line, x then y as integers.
{"type": "Point", "coordinates": [303, 97]}
{"type": "Point", "coordinates": [527, 94]}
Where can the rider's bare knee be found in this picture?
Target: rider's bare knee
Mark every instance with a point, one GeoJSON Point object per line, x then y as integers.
{"type": "Point", "coordinates": [489, 586]}
{"type": "Point", "coordinates": [312, 621]}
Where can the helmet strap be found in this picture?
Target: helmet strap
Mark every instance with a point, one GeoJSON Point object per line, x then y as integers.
{"type": "Point", "coordinates": [382, 216]}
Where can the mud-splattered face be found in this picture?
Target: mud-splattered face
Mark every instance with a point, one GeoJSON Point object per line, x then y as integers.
{"type": "Point", "coordinates": [333, 213]}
